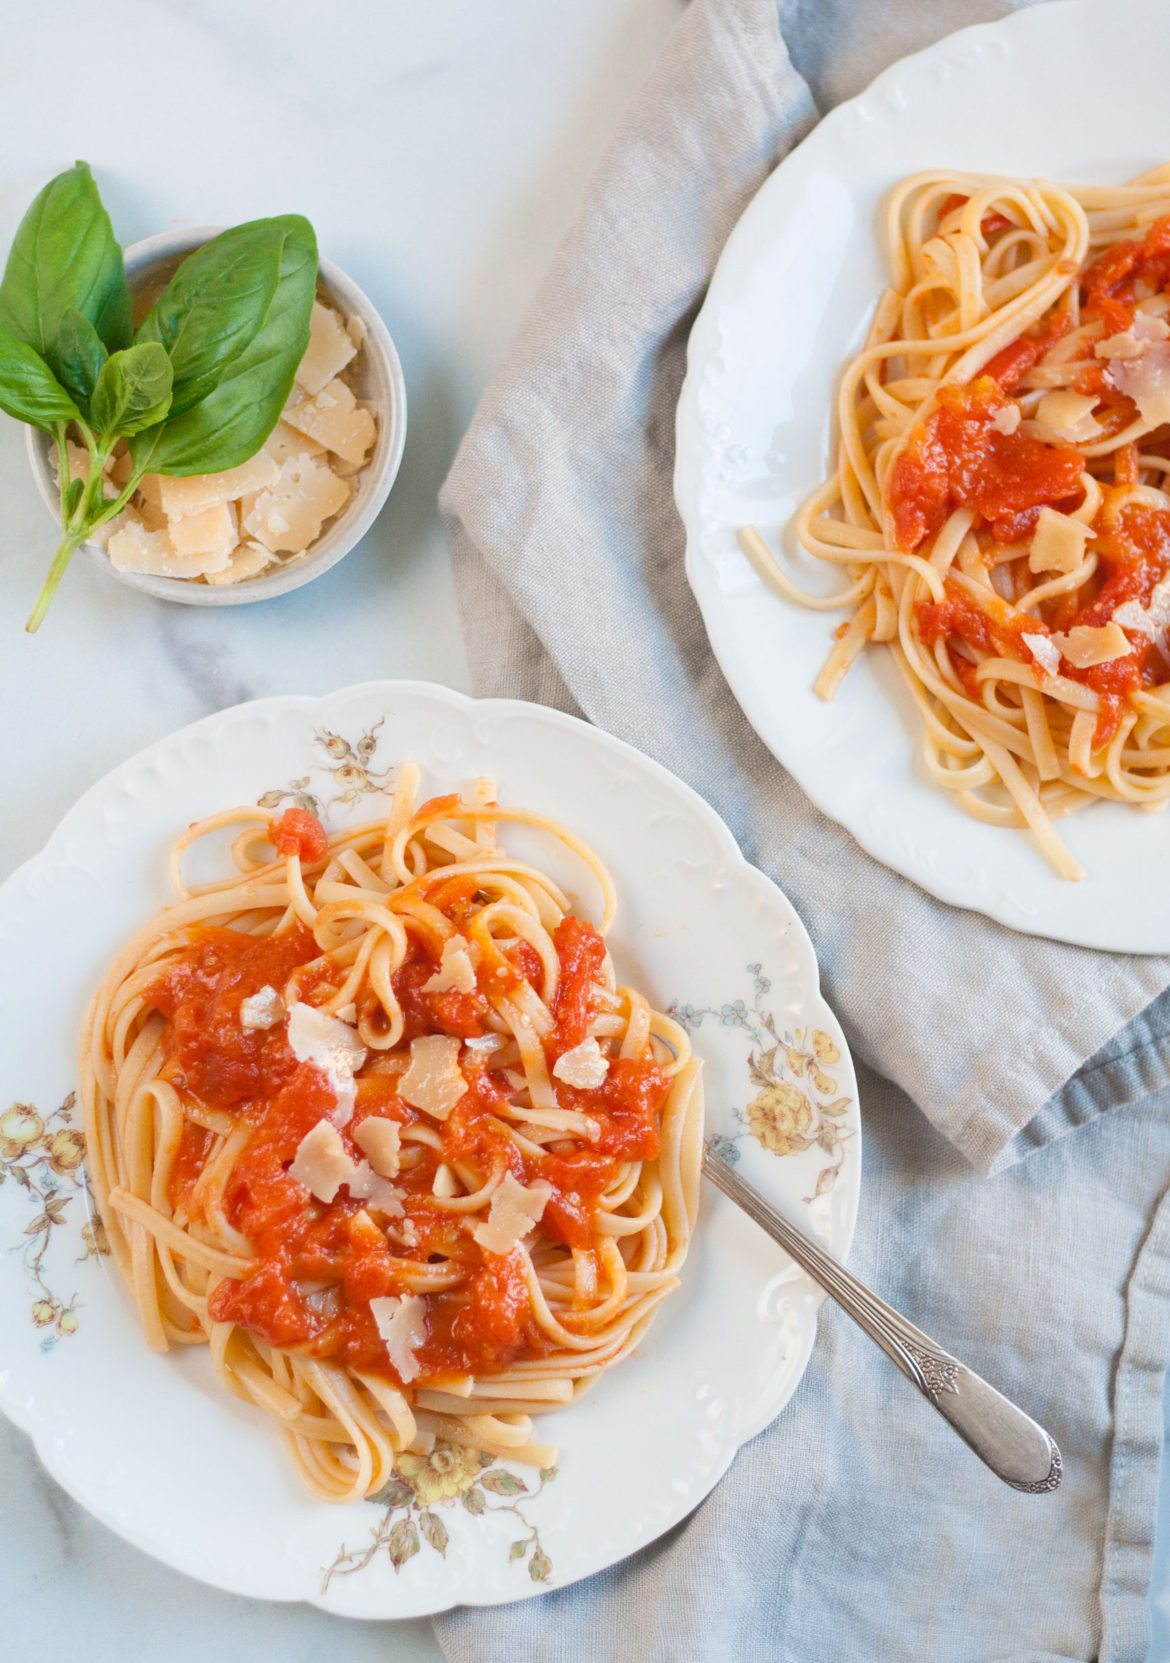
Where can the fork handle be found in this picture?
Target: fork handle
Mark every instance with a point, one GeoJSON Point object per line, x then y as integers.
{"type": "Point", "coordinates": [1002, 1435]}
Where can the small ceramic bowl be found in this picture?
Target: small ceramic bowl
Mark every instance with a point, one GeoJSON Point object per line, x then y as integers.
{"type": "Point", "coordinates": [376, 376]}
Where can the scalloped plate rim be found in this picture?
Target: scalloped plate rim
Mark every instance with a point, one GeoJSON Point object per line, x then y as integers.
{"type": "Point", "coordinates": [58, 849]}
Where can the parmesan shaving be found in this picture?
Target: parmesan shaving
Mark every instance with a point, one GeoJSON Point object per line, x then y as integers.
{"type": "Point", "coordinates": [1068, 416]}
{"type": "Point", "coordinates": [334, 418]}
{"type": "Point", "coordinates": [445, 1183]}
{"type": "Point", "coordinates": [322, 1162]}
{"type": "Point", "coordinates": [318, 1038]}
{"type": "Point", "coordinates": [134, 549]}
{"type": "Point", "coordinates": [198, 492]}
{"type": "Point", "coordinates": [485, 1045]}
{"type": "Point", "coordinates": [1086, 645]}
{"type": "Point", "coordinates": [586, 1066]}
{"type": "Point", "coordinates": [1006, 419]}
{"type": "Point", "coordinates": [329, 350]}
{"type": "Point", "coordinates": [515, 1211]}
{"type": "Point", "coordinates": [402, 1324]}
{"type": "Point", "coordinates": [379, 1141]}
{"type": "Point", "coordinates": [1132, 342]}
{"type": "Point", "coordinates": [212, 531]}
{"type": "Point", "coordinates": [433, 1082]}
{"type": "Point", "coordinates": [456, 973]}
{"type": "Point", "coordinates": [1152, 620]}
{"type": "Point", "coordinates": [1059, 543]}
{"type": "Point", "coordinates": [288, 516]}
{"type": "Point", "coordinates": [262, 1009]}
{"type": "Point", "coordinates": [1045, 652]}
{"type": "Point", "coordinates": [248, 560]}
{"type": "Point", "coordinates": [1147, 381]}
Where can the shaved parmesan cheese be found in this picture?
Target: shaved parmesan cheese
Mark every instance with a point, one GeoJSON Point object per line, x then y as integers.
{"type": "Point", "coordinates": [324, 1164]}
{"type": "Point", "coordinates": [1068, 416]}
{"type": "Point", "coordinates": [1147, 381]}
{"type": "Point", "coordinates": [445, 1183]}
{"type": "Point", "coordinates": [1151, 620]}
{"type": "Point", "coordinates": [322, 1161]}
{"type": "Point", "coordinates": [514, 1212]}
{"type": "Point", "coordinates": [335, 419]}
{"type": "Point", "coordinates": [433, 1082]}
{"type": "Point", "coordinates": [1086, 645]}
{"type": "Point", "coordinates": [317, 1038]}
{"type": "Point", "coordinates": [285, 442]}
{"type": "Point", "coordinates": [211, 531]}
{"type": "Point", "coordinates": [1045, 652]}
{"type": "Point", "coordinates": [102, 534]}
{"type": "Point", "coordinates": [402, 1323]}
{"type": "Point", "coordinates": [263, 1009]}
{"type": "Point", "coordinates": [1007, 419]}
{"type": "Point", "coordinates": [586, 1066]}
{"type": "Point", "coordinates": [1059, 543]}
{"type": "Point", "coordinates": [378, 1140]}
{"type": "Point", "coordinates": [1132, 342]}
{"type": "Point", "coordinates": [347, 1013]}
{"type": "Point", "coordinates": [200, 491]}
{"type": "Point", "coordinates": [365, 1185]}
{"type": "Point", "coordinates": [134, 549]}
{"type": "Point", "coordinates": [248, 560]}
{"type": "Point", "coordinates": [484, 1045]}
{"type": "Point", "coordinates": [329, 351]}
{"type": "Point", "coordinates": [1120, 347]}
{"type": "Point", "coordinates": [289, 515]}
{"type": "Point", "coordinates": [456, 973]}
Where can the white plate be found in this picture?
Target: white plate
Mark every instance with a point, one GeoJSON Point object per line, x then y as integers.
{"type": "Point", "coordinates": [1074, 92]}
{"type": "Point", "coordinates": [151, 1445]}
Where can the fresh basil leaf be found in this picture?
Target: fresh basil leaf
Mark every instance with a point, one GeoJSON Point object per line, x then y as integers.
{"type": "Point", "coordinates": [65, 255]}
{"type": "Point", "coordinates": [231, 423]}
{"type": "Point", "coordinates": [214, 305]}
{"type": "Point", "coordinates": [77, 356]}
{"type": "Point", "coordinates": [73, 495]}
{"type": "Point", "coordinates": [28, 388]}
{"type": "Point", "coordinates": [133, 391]}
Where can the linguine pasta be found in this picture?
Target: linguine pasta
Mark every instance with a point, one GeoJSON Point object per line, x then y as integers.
{"type": "Point", "coordinates": [372, 1118]}
{"type": "Point", "coordinates": [999, 507]}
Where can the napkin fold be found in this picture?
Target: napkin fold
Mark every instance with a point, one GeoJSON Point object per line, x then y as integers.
{"type": "Point", "coordinates": [568, 554]}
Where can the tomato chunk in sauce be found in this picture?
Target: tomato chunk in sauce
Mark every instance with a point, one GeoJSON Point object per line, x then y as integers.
{"type": "Point", "coordinates": [958, 458]}
{"type": "Point", "coordinates": [318, 1265]}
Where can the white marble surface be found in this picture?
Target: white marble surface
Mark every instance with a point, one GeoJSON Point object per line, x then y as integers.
{"type": "Point", "coordinates": [441, 151]}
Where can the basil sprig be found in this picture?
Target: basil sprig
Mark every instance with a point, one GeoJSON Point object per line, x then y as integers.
{"type": "Point", "coordinates": [196, 390]}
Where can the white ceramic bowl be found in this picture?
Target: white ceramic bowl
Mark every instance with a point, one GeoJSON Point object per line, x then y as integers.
{"type": "Point", "coordinates": [377, 377]}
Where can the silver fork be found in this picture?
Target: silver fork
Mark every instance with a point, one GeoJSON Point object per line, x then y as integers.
{"type": "Point", "coordinates": [1008, 1440]}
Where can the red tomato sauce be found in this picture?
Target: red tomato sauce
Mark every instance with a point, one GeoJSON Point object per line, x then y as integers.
{"type": "Point", "coordinates": [298, 832]}
{"type": "Point", "coordinates": [957, 458]}
{"type": "Point", "coordinates": [319, 1264]}
{"type": "Point", "coordinates": [1133, 556]}
{"type": "Point", "coordinates": [1109, 283]}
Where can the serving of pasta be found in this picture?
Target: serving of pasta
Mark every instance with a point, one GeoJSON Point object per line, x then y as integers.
{"type": "Point", "coordinates": [372, 1118]}
{"type": "Point", "coordinates": [1000, 506]}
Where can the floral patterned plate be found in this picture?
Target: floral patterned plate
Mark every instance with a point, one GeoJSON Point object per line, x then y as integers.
{"type": "Point", "coordinates": [150, 1444]}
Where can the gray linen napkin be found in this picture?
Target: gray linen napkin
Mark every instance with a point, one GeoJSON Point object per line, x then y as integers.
{"type": "Point", "coordinates": [569, 560]}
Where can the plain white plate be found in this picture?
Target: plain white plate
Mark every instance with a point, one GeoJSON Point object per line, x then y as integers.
{"type": "Point", "coordinates": [150, 1444]}
{"type": "Point", "coordinates": [1074, 92]}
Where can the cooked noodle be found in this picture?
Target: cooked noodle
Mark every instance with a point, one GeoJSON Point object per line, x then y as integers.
{"type": "Point", "coordinates": [197, 1102]}
{"type": "Point", "coordinates": [999, 506]}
